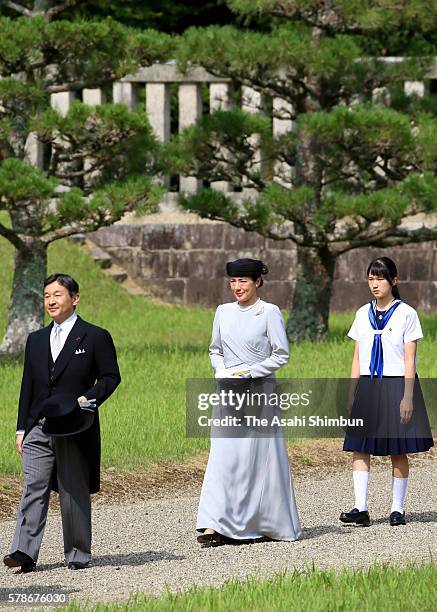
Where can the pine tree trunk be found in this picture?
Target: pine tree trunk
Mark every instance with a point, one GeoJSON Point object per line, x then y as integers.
{"type": "Point", "coordinates": [26, 310]}
{"type": "Point", "coordinates": [311, 299]}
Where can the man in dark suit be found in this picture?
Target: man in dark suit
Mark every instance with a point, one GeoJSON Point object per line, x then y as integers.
{"type": "Point", "coordinates": [68, 359]}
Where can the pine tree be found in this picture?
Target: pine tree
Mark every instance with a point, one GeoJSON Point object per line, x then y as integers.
{"type": "Point", "coordinates": [360, 159]}
{"type": "Point", "coordinates": [98, 160]}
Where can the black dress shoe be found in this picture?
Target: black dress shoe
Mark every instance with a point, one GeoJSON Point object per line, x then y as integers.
{"type": "Point", "coordinates": [212, 539]}
{"type": "Point", "coordinates": [20, 559]}
{"type": "Point", "coordinates": [397, 518]}
{"type": "Point", "coordinates": [356, 516]}
{"type": "Point", "coordinates": [75, 565]}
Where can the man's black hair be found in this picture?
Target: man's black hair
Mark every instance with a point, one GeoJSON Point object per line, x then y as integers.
{"type": "Point", "coordinates": [65, 280]}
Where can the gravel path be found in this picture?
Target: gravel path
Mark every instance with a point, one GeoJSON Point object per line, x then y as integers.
{"type": "Point", "coordinates": [151, 546]}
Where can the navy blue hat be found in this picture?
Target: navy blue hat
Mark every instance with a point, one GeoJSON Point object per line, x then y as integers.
{"type": "Point", "coordinates": [64, 416]}
{"type": "Point", "coordinates": [246, 267]}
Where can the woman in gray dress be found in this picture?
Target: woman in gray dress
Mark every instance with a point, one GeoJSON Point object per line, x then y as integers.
{"type": "Point", "coordinates": [247, 491]}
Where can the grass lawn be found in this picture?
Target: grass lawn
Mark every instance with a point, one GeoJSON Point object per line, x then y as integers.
{"type": "Point", "coordinates": [159, 347]}
{"type": "Point", "coordinates": [377, 589]}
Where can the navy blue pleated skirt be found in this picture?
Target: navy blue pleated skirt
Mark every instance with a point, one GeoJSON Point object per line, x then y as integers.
{"type": "Point", "coordinates": [377, 404]}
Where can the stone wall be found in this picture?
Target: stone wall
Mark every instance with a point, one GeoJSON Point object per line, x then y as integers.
{"type": "Point", "coordinates": [185, 263]}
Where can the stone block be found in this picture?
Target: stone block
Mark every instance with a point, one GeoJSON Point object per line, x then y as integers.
{"type": "Point", "coordinates": [281, 264]}
{"type": "Point", "coordinates": [117, 236]}
{"type": "Point", "coordinates": [134, 266]}
{"type": "Point", "coordinates": [202, 264]}
{"type": "Point", "coordinates": [239, 239]}
{"type": "Point", "coordinates": [410, 293]}
{"type": "Point", "coordinates": [352, 265]}
{"type": "Point", "coordinates": [207, 236]}
{"type": "Point", "coordinates": [427, 296]}
{"type": "Point", "coordinates": [403, 260]}
{"type": "Point", "coordinates": [171, 289]}
{"type": "Point", "coordinates": [349, 295]}
{"type": "Point", "coordinates": [156, 265]}
{"type": "Point", "coordinates": [180, 263]}
{"type": "Point", "coordinates": [434, 266]}
{"type": "Point", "coordinates": [161, 236]}
{"type": "Point", "coordinates": [420, 265]}
{"type": "Point", "coordinates": [287, 245]}
{"type": "Point", "coordinates": [278, 292]}
{"type": "Point", "coordinates": [123, 255]}
{"type": "Point", "coordinates": [207, 292]}
{"type": "Point", "coordinates": [227, 295]}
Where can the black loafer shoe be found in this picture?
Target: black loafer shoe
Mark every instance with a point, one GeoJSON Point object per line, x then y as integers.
{"type": "Point", "coordinates": [397, 518]}
{"type": "Point", "coordinates": [75, 565]}
{"type": "Point", "coordinates": [20, 559]}
{"type": "Point", "coordinates": [356, 517]}
{"type": "Point", "coordinates": [209, 540]}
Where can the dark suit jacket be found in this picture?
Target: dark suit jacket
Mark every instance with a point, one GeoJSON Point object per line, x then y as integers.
{"type": "Point", "coordinates": [93, 373]}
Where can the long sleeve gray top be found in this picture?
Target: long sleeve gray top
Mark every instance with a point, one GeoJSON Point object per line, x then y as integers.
{"type": "Point", "coordinates": [253, 336]}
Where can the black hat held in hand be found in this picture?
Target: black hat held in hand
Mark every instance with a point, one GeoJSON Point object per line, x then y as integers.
{"type": "Point", "coordinates": [64, 416]}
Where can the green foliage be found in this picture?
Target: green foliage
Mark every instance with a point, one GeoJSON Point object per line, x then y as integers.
{"type": "Point", "coordinates": [220, 146]}
{"type": "Point", "coordinates": [117, 141]}
{"type": "Point", "coordinates": [380, 127]}
{"type": "Point", "coordinates": [368, 14]}
{"type": "Point", "coordinates": [94, 51]}
{"type": "Point", "coordinates": [388, 204]}
{"type": "Point", "coordinates": [107, 150]}
{"type": "Point", "coordinates": [287, 204]}
{"type": "Point", "coordinates": [351, 153]}
{"type": "Point", "coordinates": [139, 192]}
{"type": "Point", "coordinates": [21, 41]}
{"type": "Point", "coordinates": [18, 96]}
{"type": "Point", "coordinates": [381, 27]}
{"type": "Point", "coordinates": [21, 183]}
{"type": "Point", "coordinates": [426, 138]}
{"type": "Point", "coordinates": [284, 61]}
{"type": "Point", "coordinates": [212, 204]}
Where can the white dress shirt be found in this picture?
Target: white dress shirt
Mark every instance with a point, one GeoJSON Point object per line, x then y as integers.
{"type": "Point", "coordinates": [65, 328]}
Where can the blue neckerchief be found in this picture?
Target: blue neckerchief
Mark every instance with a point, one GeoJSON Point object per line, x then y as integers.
{"type": "Point", "coordinates": [377, 357]}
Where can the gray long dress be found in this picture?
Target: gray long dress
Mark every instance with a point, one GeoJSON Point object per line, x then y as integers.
{"type": "Point", "coordinates": [247, 491]}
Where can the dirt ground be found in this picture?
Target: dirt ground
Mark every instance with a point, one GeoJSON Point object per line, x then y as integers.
{"type": "Point", "coordinates": [308, 459]}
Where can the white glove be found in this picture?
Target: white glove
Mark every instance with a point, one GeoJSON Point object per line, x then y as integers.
{"type": "Point", "coordinates": [223, 373]}
{"type": "Point", "coordinates": [241, 371]}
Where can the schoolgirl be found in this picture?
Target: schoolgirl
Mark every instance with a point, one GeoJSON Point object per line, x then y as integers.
{"type": "Point", "coordinates": [385, 391]}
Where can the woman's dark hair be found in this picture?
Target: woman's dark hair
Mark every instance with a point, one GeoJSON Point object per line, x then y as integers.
{"type": "Point", "coordinates": [254, 277]}
{"type": "Point", "coordinates": [65, 280]}
{"type": "Point", "coordinates": [386, 267]}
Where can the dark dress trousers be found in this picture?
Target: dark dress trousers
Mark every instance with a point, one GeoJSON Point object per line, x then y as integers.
{"type": "Point", "coordinates": [87, 365]}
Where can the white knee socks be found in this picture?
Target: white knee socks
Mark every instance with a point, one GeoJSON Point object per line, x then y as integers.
{"type": "Point", "coordinates": [399, 486]}
{"type": "Point", "coordinates": [361, 482]}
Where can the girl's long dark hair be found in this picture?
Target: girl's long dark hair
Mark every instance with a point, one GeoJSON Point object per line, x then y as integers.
{"type": "Point", "coordinates": [386, 267]}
